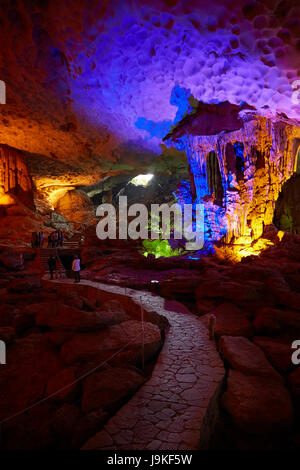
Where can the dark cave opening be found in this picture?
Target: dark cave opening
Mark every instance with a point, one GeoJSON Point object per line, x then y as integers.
{"type": "Point", "coordinates": [214, 178]}
{"type": "Point", "coordinates": [287, 207]}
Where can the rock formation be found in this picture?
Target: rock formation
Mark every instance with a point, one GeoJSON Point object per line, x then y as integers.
{"type": "Point", "coordinates": [14, 177]}
{"type": "Point", "coordinates": [239, 162]}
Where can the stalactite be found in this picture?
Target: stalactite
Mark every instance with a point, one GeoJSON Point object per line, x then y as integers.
{"type": "Point", "coordinates": [14, 175]}
{"type": "Point", "coordinates": [256, 160]}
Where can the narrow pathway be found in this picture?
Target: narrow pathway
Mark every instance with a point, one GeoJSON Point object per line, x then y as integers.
{"type": "Point", "coordinates": [177, 407]}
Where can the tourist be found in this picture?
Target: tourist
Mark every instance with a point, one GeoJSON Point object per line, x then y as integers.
{"type": "Point", "coordinates": [42, 239]}
{"type": "Point", "coordinates": [76, 268]}
{"type": "Point", "coordinates": [61, 238]}
{"type": "Point", "coordinates": [52, 266]}
{"type": "Point", "coordinates": [53, 239]}
{"type": "Point", "coordinates": [37, 240]}
{"type": "Point", "coordinates": [33, 239]}
{"type": "Point", "coordinates": [49, 241]}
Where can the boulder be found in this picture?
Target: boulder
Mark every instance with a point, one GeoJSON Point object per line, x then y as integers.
{"type": "Point", "coordinates": [207, 305]}
{"type": "Point", "coordinates": [30, 431]}
{"type": "Point", "coordinates": [229, 290]}
{"type": "Point", "coordinates": [24, 285]}
{"type": "Point", "coordinates": [23, 322]}
{"type": "Point", "coordinates": [123, 341]}
{"type": "Point", "coordinates": [65, 420]}
{"type": "Point", "coordinates": [73, 319]}
{"type": "Point", "coordinates": [258, 405]}
{"type": "Point", "coordinates": [31, 362]}
{"type": "Point", "coordinates": [87, 427]}
{"type": "Point", "coordinates": [246, 357]}
{"type": "Point", "coordinates": [75, 205]}
{"type": "Point", "coordinates": [59, 337]}
{"type": "Point", "coordinates": [267, 321]}
{"type": "Point", "coordinates": [46, 308]}
{"type": "Point", "coordinates": [108, 389]}
{"type": "Point", "coordinates": [278, 350]}
{"type": "Point", "coordinates": [61, 381]}
{"type": "Point", "coordinates": [271, 320]}
{"type": "Point", "coordinates": [289, 299]}
{"type": "Point", "coordinates": [73, 300]}
{"type": "Point", "coordinates": [230, 320]}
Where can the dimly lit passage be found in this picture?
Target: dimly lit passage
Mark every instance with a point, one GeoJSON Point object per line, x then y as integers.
{"type": "Point", "coordinates": [150, 225]}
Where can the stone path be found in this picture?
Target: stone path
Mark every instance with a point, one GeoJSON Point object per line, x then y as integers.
{"type": "Point", "coordinates": [177, 407]}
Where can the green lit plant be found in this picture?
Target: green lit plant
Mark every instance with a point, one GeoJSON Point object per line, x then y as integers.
{"type": "Point", "coordinates": [159, 247]}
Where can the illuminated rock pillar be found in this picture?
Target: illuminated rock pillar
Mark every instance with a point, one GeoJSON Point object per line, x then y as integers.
{"type": "Point", "coordinates": [238, 174]}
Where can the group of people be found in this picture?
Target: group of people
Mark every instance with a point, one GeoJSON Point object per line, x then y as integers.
{"type": "Point", "coordinates": [37, 239]}
{"type": "Point", "coordinates": [55, 239]}
{"type": "Point", "coordinates": [55, 267]}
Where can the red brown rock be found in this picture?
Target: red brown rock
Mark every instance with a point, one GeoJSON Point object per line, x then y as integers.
{"type": "Point", "coordinates": [64, 421]}
{"type": "Point", "coordinates": [271, 320]}
{"type": "Point", "coordinates": [31, 430]}
{"type": "Point", "coordinates": [246, 357]}
{"type": "Point", "coordinates": [60, 381]}
{"type": "Point", "coordinates": [31, 362]}
{"type": "Point", "coordinates": [230, 320]}
{"type": "Point", "coordinates": [88, 426]}
{"type": "Point", "coordinates": [107, 389]}
{"type": "Point", "coordinates": [257, 405]}
{"type": "Point", "coordinates": [101, 345]}
{"type": "Point", "coordinates": [278, 351]}
{"type": "Point", "coordinates": [73, 319]}
{"type": "Point", "coordinates": [228, 290]}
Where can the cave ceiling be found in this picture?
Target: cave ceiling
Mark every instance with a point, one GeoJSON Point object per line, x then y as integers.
{"type": "Point", "coordinates": [98, 84]}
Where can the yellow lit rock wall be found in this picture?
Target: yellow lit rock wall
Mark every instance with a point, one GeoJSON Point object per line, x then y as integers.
{"type": "Point", "coordinates": [270, 150]}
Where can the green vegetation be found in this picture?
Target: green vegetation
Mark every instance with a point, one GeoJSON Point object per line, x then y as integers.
{"type": "Point", "coordinates": [160, 248]}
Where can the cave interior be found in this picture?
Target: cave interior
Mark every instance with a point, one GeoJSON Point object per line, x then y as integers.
{"type": "Point", "coordinates": [167, 103]}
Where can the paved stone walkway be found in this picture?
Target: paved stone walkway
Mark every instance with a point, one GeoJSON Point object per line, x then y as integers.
{"type": "Point", "coordinates": [177, 407]}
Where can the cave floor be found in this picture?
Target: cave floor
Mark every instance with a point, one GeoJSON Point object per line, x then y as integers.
{"type": "Point", "coordinates": [176, 407]}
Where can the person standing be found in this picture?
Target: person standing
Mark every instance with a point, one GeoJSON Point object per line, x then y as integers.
{"type": "Point", "coordinates": [61, 238]}
{"type": "Point", "coordinates": [53, 240]}
{"type": "Point", "coordinates": [76, 268]}
{"type": "Point", "coordinates": [52, 266]}
{"type": "Point", "coordinates": [38, 239]}
{"type": "Point", "coordinates": [42, 239]}
{"type": "Point", "coordinates": [33, 238]}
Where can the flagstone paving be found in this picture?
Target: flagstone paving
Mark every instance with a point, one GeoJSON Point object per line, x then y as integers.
{"type": "Point", "coordinates": [177, 407]}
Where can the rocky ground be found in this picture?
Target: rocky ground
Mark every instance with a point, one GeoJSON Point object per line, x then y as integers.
{"type": "Point", "coordinates": [54, 340]}
{"type": "Point", "coordinates": [57, 339]}
{"type": "Point", "coordinates": [257, 308]}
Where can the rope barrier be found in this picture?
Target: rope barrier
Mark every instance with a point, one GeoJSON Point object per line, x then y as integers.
{"type": "Point", "coordinates": [28, 408]}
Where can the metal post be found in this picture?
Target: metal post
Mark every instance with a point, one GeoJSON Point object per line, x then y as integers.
{"type": "Point", "coordinates": [143, 335]}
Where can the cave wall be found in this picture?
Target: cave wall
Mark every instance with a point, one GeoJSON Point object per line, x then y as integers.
{"type": "Point", "coordinates": [254, 162]}
{"type": "Point", "coordinates": [287, 210]}
{"type": "Point", "coordinates": [14, 176]}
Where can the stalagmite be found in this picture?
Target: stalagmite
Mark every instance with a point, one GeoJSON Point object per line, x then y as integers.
{"type": "Point", "coordinates": [238, 172]}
